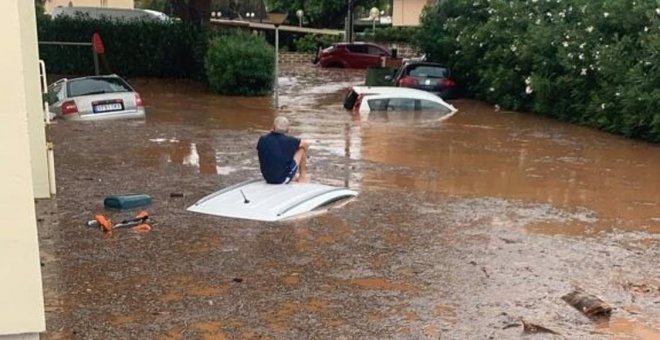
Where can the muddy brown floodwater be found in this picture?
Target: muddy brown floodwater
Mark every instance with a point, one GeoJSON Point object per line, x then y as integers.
{"type": "Point", "coordinates": [462, 228]}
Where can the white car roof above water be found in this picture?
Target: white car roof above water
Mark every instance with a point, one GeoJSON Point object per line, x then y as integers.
{"type": "Point", "coordinates": [398, 91]}
{"type": "Point", "coordinates": [256, 200]}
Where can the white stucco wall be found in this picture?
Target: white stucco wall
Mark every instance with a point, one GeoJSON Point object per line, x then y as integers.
{"type": "Point", "coordinates": [41, 188]}
{"type": "Point", "coordinates": [407, 12]}
{"type": "Point", "coordinates": [21, 297]}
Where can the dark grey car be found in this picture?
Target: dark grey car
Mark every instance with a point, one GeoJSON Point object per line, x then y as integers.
{"type": "Point", "coordinates": [427, 76]}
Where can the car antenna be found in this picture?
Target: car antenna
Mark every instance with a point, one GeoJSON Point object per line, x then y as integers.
{"type": "Point", "coordinates": [245, 198]}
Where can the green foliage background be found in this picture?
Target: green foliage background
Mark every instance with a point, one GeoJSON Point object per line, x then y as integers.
{"type": "Point", "coordinates": [240, 63]}
{"type": "Point", "coordinates": [134, 48]}
{"type": "Point", "coordinates": [595, 63]}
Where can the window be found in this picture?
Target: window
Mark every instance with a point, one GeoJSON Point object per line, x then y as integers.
{"type": "Point", "coordinates": [87, 86]}
{"type": "Point", "coordinates": [433, 107]}
{"type": "Point", "coordinates": [428, 71]}
{"type": "Point", "coordinates": [358, 49]}
{"type": "Point", "coordinates": [403, 104]}
{"type": "Point", "coordinates": [55, 94]}
{"type": "Point", "coordinates": [373, 50]}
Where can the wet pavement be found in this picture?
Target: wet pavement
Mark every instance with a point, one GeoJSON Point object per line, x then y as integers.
{"type": "Point", "coordinates": [462, 227]}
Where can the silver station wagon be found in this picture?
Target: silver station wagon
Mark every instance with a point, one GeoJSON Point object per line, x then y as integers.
{"type": "Point", "coordinates": [94, 98]}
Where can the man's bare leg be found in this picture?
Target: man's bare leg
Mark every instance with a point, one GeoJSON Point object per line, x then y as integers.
{"type": "Point", "coordinates": [301, 159]}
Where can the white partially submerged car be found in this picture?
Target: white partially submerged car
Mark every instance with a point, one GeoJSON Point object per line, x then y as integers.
{"type": "Point", "coordinates": [94, 98]}
{"type": "Point", "coordinates": [396, 103]}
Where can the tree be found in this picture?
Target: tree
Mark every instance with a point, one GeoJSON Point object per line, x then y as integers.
{"type": "Point", "coordinates": [39, 8]}
{"type": "Point", "coordinates": [196, 12]}
{"type": "Point", "coordinates": [322, 13]}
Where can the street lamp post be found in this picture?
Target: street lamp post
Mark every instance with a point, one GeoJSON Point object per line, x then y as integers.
{"type": "Point", "coordinates": [299, 14]}
{"type": "Point", "coordinates": [277, 19]}
{"type": "Point", "coordinates": [374, 13]}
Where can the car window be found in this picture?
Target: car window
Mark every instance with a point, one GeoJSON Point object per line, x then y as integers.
{"type": "Point", "coordinates": [87, 86]}
{"type": "Point", "coordinates": [377, 51]}
{"type": "Point", "coordinates": [403, 104]}
{"type": "Point", "coordinates": [358, 49]}
{"type": "Point", "coordinates": [377, 104]}
{"type": "Point", "coordinates": [428, 71]}
{"type": "Point", "coordinates": [433, 107]}
{"type": "Point", "coordinates": [394, 104]}
{"type": "Point", "coordinates": [55, 94]}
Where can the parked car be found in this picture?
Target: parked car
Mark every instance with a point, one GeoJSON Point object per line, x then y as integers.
{"type": "Point", "coordinates": [352, 55]}
{"type": "Point", "coordinates": [427, 76]}
{"type": "Point", "coordinates": [386, 102]}
{"type": "Point", "coordinates": [94, 98]}
{"type": "Point", "coordinates": [118, 14]}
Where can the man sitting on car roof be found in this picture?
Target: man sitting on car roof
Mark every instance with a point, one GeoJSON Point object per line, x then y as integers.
{"type": "Point", "coordinates": [282, 158]}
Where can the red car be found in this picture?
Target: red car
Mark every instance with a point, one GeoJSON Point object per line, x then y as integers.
{"type": "Point", "coordinates": [352, 55]}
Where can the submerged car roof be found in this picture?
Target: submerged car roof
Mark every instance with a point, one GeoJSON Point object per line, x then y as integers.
{"type": "Point", "coordinates": [393, 90]}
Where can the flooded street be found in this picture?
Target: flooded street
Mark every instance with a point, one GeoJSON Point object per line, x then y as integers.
{"type": "Point", "coordinates": [462, 228]}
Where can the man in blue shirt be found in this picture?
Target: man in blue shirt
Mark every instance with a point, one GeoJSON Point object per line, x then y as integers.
{"type": "Point", "coordinates": [282, 158]}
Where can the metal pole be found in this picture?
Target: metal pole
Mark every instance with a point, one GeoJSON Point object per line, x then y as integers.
{"type": "Point", "coordinates": [349, 34]}
{"type": "Point", "coordinates": [96, 62]}
{"type": "Point", "coordinates": [277, 66]}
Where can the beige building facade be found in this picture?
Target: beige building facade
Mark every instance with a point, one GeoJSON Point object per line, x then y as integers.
{"type": "Point", "coordinates": [21, 295]}
{"type": "Point", "coordinates": [407, 12]}
{"type": "Point", "coordinates": [50, 4]}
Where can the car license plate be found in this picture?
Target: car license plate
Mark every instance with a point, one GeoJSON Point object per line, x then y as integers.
{"type": "Point", "coordinates": [108, 107]}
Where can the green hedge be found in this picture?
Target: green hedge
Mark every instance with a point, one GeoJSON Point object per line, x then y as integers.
{"type": "Point", "coordinates": [240, 63]}
{"type": "Point", "coordinates": [590, 62]}
{"type": "Point", "coordinates": [135, 48]}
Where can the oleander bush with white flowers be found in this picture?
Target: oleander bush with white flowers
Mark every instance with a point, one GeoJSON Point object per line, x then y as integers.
{"type": "Point", "coordinates": [590, 62]}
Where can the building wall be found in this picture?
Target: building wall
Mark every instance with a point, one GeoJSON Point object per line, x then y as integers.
{"type": "Point", "coordinates": [34, 106]}
{"type": "Point", "coordinates": [50, 4]}
{"type": "Point", "coordinates": [21, 297]}
{"type": "Point", "coordinates": [407, 12]}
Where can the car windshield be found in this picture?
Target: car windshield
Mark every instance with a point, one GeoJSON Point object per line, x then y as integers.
{"type": "Point", "coordinates": [427, 71]}
{"type": "Point", "coordinates": [88, 86]}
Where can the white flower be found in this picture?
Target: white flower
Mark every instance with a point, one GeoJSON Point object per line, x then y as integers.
{"type": "Point", "coordinates": [538, 21]}
{"type": "Point", "coordinates": [657, 11]}
{"type": "Point", "coordinates": [492, 89]}
{"type": "Point", "coordinates": [529, 90]}
{"type": "Point", "coordinates": [582, 45]}
{"type": "Point", "coordinates": [583, 72]}
{"type": "Point", "coordinates": [513, 48]}
{"type": "Point", "coordinates": [605, 14]}
{"type": "Point", "coordinates": [589, 29]}
{"type": "Point", "coordinates": [646, 28]}
{"type": "Point", "coordinates": [528, 80]}
{"type": "Point", "coordinates": [565, 44]}
{"type": "Point", "coordinates": [617, 94]}
{"type": "Point", "coordinates": [581, 56]}
{"type": "Point", "coordinates": [570, 55]}
{"type": "Point", "coordinates": [602, 106]}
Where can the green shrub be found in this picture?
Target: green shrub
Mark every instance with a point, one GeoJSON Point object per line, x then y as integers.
{"type": "Point", "coordinates": [240, 64]}
{"type": "Point", "coordinates": [589, 62]}
{"type": "Point", "coordinates": [310, 43]}
{"type": "Point", "coordinates": [394, 34]}
{"type": "Point", "coordinates": [135, 48]}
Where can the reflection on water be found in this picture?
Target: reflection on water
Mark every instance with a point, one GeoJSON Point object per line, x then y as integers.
{"type": "Point", "coordinates": [477, 152]}
{"type": "Point", "coordinates": [481, 152]}
{"type": "Point", "coordinates": [635, 329]}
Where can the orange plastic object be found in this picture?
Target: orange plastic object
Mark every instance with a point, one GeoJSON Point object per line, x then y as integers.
{"type": "Point", "coordinates": [104, 222]}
